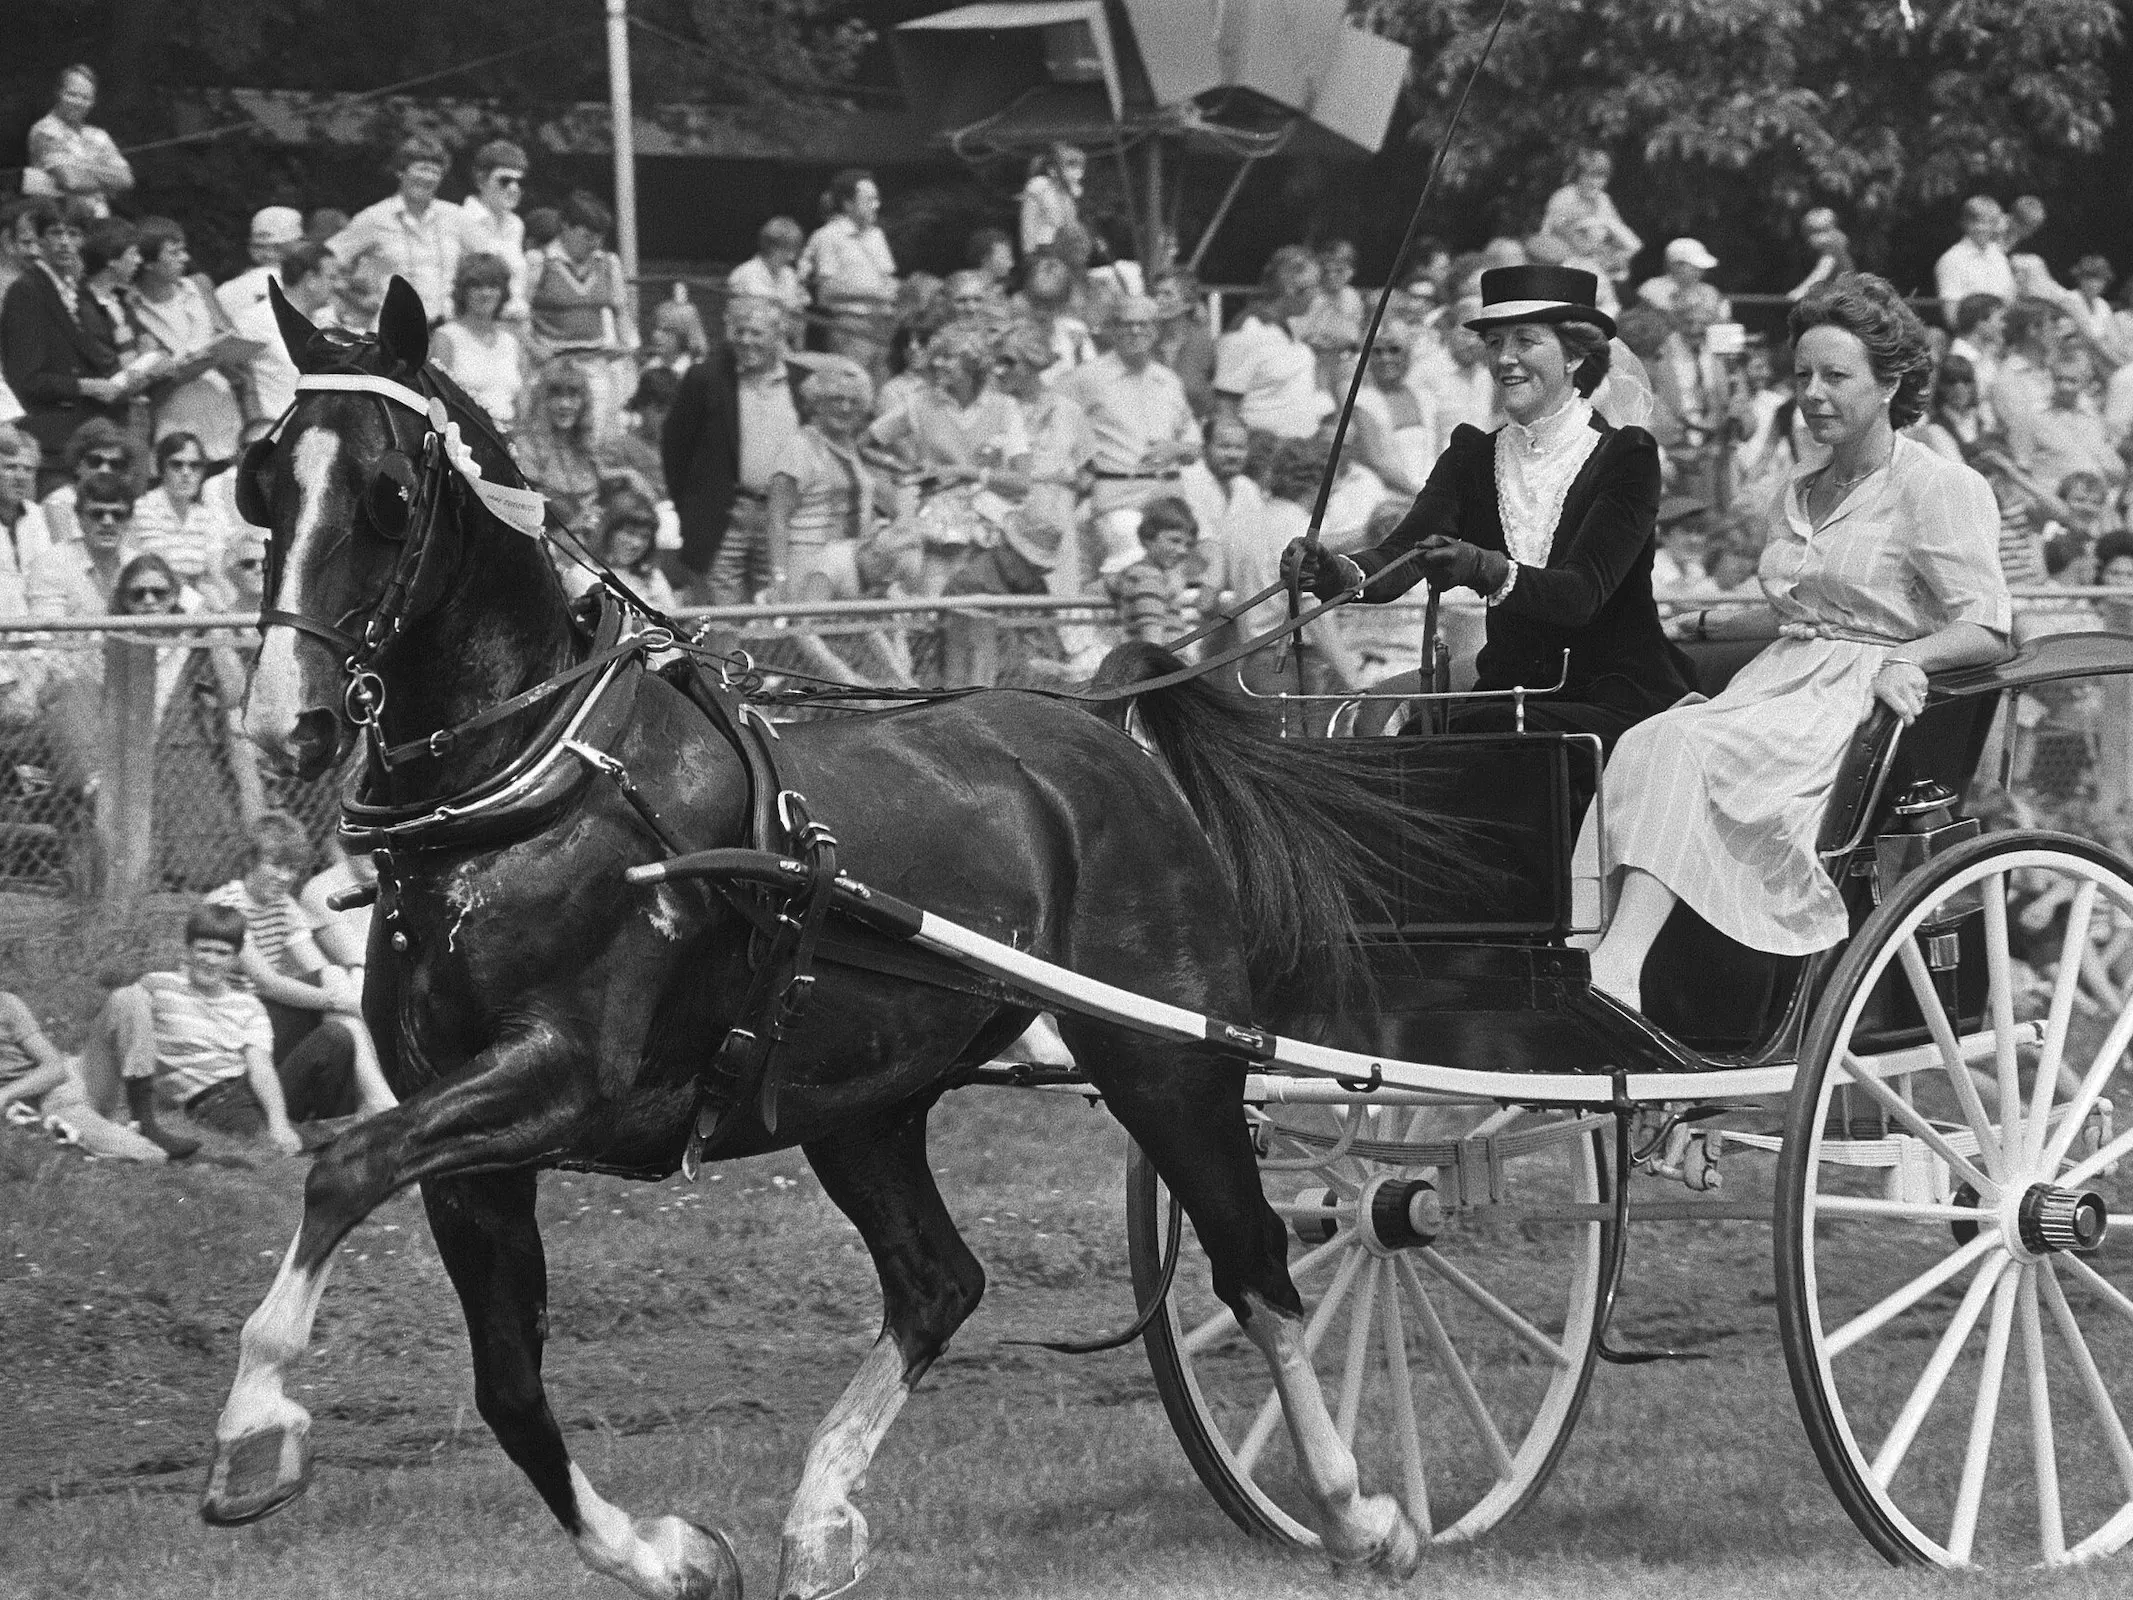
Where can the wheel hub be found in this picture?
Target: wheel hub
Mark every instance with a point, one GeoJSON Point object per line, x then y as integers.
{"type": "Point", "coordinates": [1394, 1214]}
{"type": "Point", "coordinates": [2051, 1219]}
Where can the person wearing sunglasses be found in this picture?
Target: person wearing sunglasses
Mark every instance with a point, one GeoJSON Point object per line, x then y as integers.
{"type": "Point", "coordinates": [175, 521]}
{"type": "Point", "coordinates": [489, 222]}
{"type": "Point", "coordinates": [98, 445]}
{"type": "Point", "coordinates": [79, 578]}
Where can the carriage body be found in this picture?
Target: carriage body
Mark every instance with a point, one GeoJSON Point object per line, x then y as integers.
{"type": "Point", "coordinates": [1466, 1227]}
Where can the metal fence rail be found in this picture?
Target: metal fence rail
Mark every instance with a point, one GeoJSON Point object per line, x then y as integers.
{"type": "Point", "coordinates": [124, 770]}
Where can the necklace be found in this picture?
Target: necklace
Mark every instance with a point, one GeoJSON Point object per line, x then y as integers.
{"type": "Point", "coordinates": [1842, 484]}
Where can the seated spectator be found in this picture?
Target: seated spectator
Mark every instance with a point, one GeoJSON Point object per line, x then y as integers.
{"type": "Point", "coordinates": [1680, 565]}
{"type": "Point", "coordinates": [98, 445]}
{"type": "Point", "coordinates": [773, 274]}
{"type": "Point", "coordinates": [1256, 545]}
{"type": "Point", "coordinates": [309, 274]}
{"type": "Point", "coordinates": [1334, 324]}
{"type": "Point", "coordinates": [177, 313]}
{"type": "Point", "coordinates": [304, 994]}
{"type": "Point", "coordinates": [554, 444]}
{"type": "Point", "coordinates": [78, 579]}
{"type": "Point", "coordinates": [49, 1086]}
{"type": "Point", "coordinates": [476, 349]}
{"type": "Point", "coordinates": [1459, 386]}
{"type": "Point", "coordinates": [2021, 390]}
{"type": "Point", "coordinates": [1981, 339]}
{"type": "Point", "coordinates": [1686, 263]}
{"type": "Point", "coordinates": [975, 301]}
{"type": "Point", "coordinates": [824, 499]}
{"type": "Point", "coordinates": [28, 534]}
{"type": "Point", "coordinates": [1142, 433]}
{"type": "Point", "coordinates": [176, 521]}
{"type": "Point", "coordinates": [1182, 342]}
{"type": "Point", "coordinates": [629, 544]}
{"type": "Point", "coordinates": [676, 341]}
{"type": "Point", "coordinates": [359, 291]}
{"type": "Point", "coordinates": [2066, 436]}
{"type": "Point", "coordinates": [1954, 422]}
{"type": "Point", "coordinates": [1046, 302]}
{"type": "Point", "coordinates": [2021, 548]}
{"type": "Point", "coordinates": [1154, 594]}
{"type": "Point", "coordinates": [343, 936]}
{"type": "Point", "coordinates": [276, 230]}
{"type": "Point", "coordinates": [1395, 424]}
{"type": "Point", "coordinates": [2086, 504]}
{"type": "Point", "coordinates": [636, 449]}
{"type": "Point", "coordinates": [198, 1041]}
{"type": "Point", "coordinates": [1221, 488]}
{"type": "Point", "coordinates": [992, 252]}
{"type": "Point", "coordinates": [1264, 375]}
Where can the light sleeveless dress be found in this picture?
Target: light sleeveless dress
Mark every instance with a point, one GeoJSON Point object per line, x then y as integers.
{"type": "Point", "coordinates": [1723, 801]}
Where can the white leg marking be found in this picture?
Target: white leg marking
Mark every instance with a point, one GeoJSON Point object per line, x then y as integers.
{"type": "Point", "coordinates": [1357, 1528]}
{"type": "Point", "coordinates": [274, 1336]}
{"type": "Point", "coordinates": [662, 1559]}
{"type": "Point", "coordinates": [825, 1540]}
{"type": "Point", "coordinates": [276, 697]}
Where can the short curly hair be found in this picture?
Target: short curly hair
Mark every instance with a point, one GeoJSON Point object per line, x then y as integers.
{"type": "Point", "coordinates": [1868, 308]}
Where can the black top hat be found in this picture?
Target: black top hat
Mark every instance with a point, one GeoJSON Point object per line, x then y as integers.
{"type": "Point", "coordinates": [1538, 292]}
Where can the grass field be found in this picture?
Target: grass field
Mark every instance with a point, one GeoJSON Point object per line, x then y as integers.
{"type": "Point", "coordinates": [698, 1334]}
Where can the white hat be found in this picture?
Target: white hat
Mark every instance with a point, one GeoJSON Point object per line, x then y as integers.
{"type": "Point", "coordinates": [277, 225]}
{"type": "Point", "coordinates": [1692, 252]}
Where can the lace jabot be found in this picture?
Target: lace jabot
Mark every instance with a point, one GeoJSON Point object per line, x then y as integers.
{"type": "Point", "coordinates": [1535, 467]}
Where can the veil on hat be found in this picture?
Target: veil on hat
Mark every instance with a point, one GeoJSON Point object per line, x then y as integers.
{"type": "Point", "coordinates": [1624, 397]}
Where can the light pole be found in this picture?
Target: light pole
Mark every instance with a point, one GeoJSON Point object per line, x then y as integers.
{"type": "Point", "coordinates": [623, 119]}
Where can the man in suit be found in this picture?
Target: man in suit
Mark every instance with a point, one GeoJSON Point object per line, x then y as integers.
{"type": "Point", "coordinates": [733, 415]}
{"type": "Point", "coordinates": [56, 350]}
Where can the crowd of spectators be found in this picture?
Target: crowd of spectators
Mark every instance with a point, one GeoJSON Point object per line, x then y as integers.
{"type": "Point", "coordinates": [1052, 419]}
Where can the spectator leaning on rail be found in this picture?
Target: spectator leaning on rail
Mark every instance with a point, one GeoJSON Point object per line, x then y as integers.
{"type": "Point", "coordinates": [417, 234]}
{"type": "Point", "coordinates": [733, 414]}
{"type": "Point", "coordinates": [68, 156]}
{"type": "Point", "coordinates": [489, 223]}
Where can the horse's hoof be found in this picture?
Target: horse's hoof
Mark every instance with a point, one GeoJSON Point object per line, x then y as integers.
{"type": "Point", "coordinates": [710, 1568]}
{"type": "Point", "coordinates": [1392, 1546]}
{"type": "Point", "coordinates": [823, 1559]}
{"type": "Point", "coordinates": [255, 1475]}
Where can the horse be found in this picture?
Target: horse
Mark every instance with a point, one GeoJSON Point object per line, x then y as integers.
{"type": "Point", "coordinates": [534, 1010]}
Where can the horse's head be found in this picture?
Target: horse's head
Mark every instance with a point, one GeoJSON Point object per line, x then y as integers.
{"type": "Point", "coordinates": [333, 486]}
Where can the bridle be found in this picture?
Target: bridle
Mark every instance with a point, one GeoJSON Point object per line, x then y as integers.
{"type": "Point", "coordinates": [406, 497]}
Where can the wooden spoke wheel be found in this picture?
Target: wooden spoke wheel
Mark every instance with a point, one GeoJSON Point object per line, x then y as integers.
{"type": "Point", "coordinates": [1955, 1211]}
{"type": "Point", "coordinates": [1450, 1262]}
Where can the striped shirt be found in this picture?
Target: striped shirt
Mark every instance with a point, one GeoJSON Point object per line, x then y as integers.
{"type": "Point", "coordinates": [201, 1039]}
{"type": "Point", "coordinates": [280, 932]}
{"type": "Point", "coordinates": [1151, 602]}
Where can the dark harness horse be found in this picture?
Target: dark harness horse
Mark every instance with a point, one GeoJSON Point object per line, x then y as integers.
{"type": "Point", "coordinates": [533, 1009]}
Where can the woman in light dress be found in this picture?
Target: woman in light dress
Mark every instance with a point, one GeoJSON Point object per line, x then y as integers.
{"type": "Point", "coordinates": [482, 355]}
{"type": "Point", "coordinates": [1883, 569]}
{"type": "Point", "coordinates": [177, 312]}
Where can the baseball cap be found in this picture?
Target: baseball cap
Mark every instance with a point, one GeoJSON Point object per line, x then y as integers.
{"type": "Point", "coordinates": [1692, 252]}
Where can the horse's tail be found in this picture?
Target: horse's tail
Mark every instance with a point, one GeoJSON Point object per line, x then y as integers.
{"type": "Point", "coordinates": [1300, 827]}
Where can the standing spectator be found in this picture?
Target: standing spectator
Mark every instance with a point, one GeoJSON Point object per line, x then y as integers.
{"type": "Point", "coordinates": [1581, 221]}
{"type": "Point", "coordinates": [580, 304]}
{"type": "Point", "coordinates": [1059, 448]}
{"type": "Point", "coordinates": [847, 267]}
{"type": "Point", "coordinates": [2066, 436]}
{"type": "Point", "coordinates": [56, 359]}
{"type": "Point", "coordinates": [1051, 199]}
{"type": "Point", "coordinates": [176, 521]}
{"type": "Point", "coordinates": [1221, 488]}
{"type": "Point", "coordinates": [1396, 432]}
{"type": "Point", "coordinates": [308, 273]}
{"type": "Point", "coordinates": [2091, 303]}
{"type": "Point", "coordinates": [177, 313]}
{"type": "Point", "coordinates": [1264, 375]}
{"type": "Point", "coordinates": [78, 579]}
{"type": "Point", "coordinates": [677, 339]}
{"type": "Point", "coordinates": [773, 274]}
{"type": "Point", "coordinates": [418, 235]}
{"type": "Point", "coordinates": [70, 158]}
{"type": "Point", "coordinates": [1977, 262]}
{"type": "Point", "coordinates": [1153, 593]}
{"type": "Point", "coordinates": [2021, 390]}
{"type": "Point", "coordinates": [489, 223]}
{"type": "Point", "coordinates": [732, 416]}
{"type": "Point", "coordinates": [1832, 251]}
{"type": "Point", "coordinates": [483, 356]}
{"type": "Point", "coordinates": [990, 251]}
{"type": "Point", "coordinates": [1686, 263]}
{"type": "Point", "coordinates": [276, 230]}
{"type": "Point", "coordinates": [823, 497]}
{"type": "Point", "coordinates": [359, 287]}
{"type": "Point", "coordinates": [1981, 340]}
{"type": "Point", "coordinates": [1046, 303]}
{"type": "Point", "coordinates": [1142, 431]}
{"type": "Point", "coordinates": [1334, 324]}
{"type": "Point", "coordinates": [110, 260]}
{"type": "Point", "coordinates": [304, 994]}
{"type": "Point", "coordinates": [1182, 342]}
{"type": "Point", "coordinates": [18, 239]}
{"type": "Point", "coordinates": [555, 448]}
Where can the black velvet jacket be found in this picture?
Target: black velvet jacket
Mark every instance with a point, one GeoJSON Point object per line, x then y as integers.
{"type": "Point", "coordinates": [1593, 598]}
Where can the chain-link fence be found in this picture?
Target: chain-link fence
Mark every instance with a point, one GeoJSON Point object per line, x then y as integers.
{"type": "Point", "coordinates": [124, 770]}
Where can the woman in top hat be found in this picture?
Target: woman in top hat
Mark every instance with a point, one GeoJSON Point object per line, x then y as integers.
{"type": "Point", "coordinates": [1549, 519]}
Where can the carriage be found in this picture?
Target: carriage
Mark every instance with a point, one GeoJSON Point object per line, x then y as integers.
{"type": "Point", "coordinates": [1456, 1160]}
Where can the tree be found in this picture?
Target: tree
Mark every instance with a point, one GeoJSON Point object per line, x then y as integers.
{"type": "Point", "coordinates": [1733, 115]}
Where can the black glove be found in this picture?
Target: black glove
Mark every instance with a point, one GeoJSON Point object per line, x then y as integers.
{"type": "Point", "coordinates": [1455, 564]}
{"type": "Point", "coordinates": [1320, 572]}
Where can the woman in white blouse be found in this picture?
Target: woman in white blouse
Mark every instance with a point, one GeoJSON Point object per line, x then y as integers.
{"type": "Point", "coordinates": [1885, 568]}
